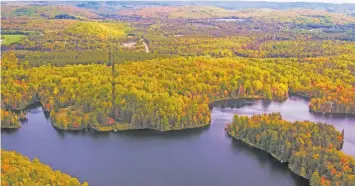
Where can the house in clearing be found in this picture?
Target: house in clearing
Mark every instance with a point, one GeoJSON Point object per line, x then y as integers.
{"type": "Point", "coordinates": [111, 121]}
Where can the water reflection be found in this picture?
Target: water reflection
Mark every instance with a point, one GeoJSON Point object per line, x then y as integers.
{"type": "Point", "coordinates": [136, 134]}
{"type": "Point", "coordinates": [265, 103]}
{"type": "Point", "coordinates": [205, 156]}
{"type": "Point", "coordinates": [146, 133]}
{"type": "Point", "coordinates": [232, 103]}
{"type": "Point", "coordinates": [9, 131]}
{"type": "Point", "coordinates": [295, 109]}
{"type": "Point", "coordinates": [266, 160]}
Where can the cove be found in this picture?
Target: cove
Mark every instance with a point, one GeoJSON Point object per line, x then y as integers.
{"type": "Point", "coordinates": [206, 156]}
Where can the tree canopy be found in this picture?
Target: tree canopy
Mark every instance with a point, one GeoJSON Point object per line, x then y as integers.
{"type": "Point", "coordinates": [173, 93]}
{"type": "Point", "coordinates": [312, 150]}
{"type": "Point", "coordinates": [17, 169]}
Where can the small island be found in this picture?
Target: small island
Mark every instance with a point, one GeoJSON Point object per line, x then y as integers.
{"type": "Point", "coordinates": [312, 150]}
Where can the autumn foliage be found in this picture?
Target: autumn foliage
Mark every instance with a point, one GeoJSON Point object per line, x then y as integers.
{"type": "Point", "coordinates": [9, 119]}
{"type": "Point", "coordinates": [168, 94]}
{"type": "Point", "coordinates": [312, 150]}
{"type": "Point", "coordinates": [17, 169]}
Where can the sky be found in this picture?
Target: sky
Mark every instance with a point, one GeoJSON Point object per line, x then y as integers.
{"type": "Point", "coordinates": [317, 1]}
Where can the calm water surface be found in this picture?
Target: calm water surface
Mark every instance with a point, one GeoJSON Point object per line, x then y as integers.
{"type": "Point", "coordinates": [230, 20]}
{"type": "Point", "coordinates": [197, 157]}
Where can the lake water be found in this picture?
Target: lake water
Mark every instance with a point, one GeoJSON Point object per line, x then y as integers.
{"type": "Point", "coordinates": [230, 20]}
{"type": "Point", "coordinates": [196, 157]}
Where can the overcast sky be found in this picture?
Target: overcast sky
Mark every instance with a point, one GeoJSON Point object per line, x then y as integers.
{"type": "Point", "coordinates": [318, 1]}
{"type": "Point", "coordinates": [322, 1]}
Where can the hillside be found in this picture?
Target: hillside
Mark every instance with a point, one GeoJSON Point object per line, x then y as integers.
{"type": "Point", "coordinates": [96, 30]}
{"type": "Point", "coordinates": [21, 10]}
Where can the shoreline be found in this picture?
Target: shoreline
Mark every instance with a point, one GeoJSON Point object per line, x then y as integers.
{"type": "Point", "coordinates": [119, 128]}
{"type": "Point", "coordinates": [321, 112]}
{"type": "Point", "coordinates": [331, 113]}
{"type": "Point", "coordinates": [273, 155]}
{"type": "Point", "coordinates": [125, 126]}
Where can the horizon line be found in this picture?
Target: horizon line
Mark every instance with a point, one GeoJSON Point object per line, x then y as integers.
{"type": "Point", "coordinates": [255, 1]}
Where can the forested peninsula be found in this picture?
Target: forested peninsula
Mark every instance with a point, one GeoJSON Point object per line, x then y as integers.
{"type": "Point", "coordinates": [312, 150]}
{"type": "Point", "coordinates": [168, 94]}
{"type": "Point", "coordinates": [17, 169]}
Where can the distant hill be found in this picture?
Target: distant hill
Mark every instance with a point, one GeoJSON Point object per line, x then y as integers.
{"type": "Point", "coordinates": [299, 16]}
{"type": "Point", "coordinates": [179, 12]}
{"type": "Point", "coordinates": [109, 8]}
{"type": "Point", "coordinates": [21, 10]}
{"type": "Point", "coordinates": [240, 5]}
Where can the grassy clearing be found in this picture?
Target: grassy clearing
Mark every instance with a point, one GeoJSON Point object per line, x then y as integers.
{"type": "Point", "coordinates": [117, 126]}
{"type": "Point", "coordinates": [8, 39]}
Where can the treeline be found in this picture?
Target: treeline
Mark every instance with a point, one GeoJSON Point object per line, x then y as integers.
{"type": "Point", "coordinates": [36, 59]}
{"type": "Point", "coordinates": [17, 169]}
{"type": "Point", "coordinates": [14, 32]}
{"type": "Point", "coordinates": [215, 47]}
{"type": "Point", "coordinates": [304, 48]}
{"type": "Point", "coordinates": [9, 119]}
{"type": "Point", "coordinates": [333, 101]}
{"type": "Point", "coordinates": [312, 150]}
{"type": "Point", "coordinates": [164, 94]}
{"type": "Point", "coordinates": [64, 16]}
{"type": "Point", "coordinates": [249, 47]}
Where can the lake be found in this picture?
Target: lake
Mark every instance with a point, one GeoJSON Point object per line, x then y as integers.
{"type": "Point", "coordinates": [230, 20]}
{"type": "Point", "coordinates": [196, 157]}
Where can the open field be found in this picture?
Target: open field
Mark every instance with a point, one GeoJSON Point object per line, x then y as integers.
{"type": "Point", "coordinates": [9, 39]}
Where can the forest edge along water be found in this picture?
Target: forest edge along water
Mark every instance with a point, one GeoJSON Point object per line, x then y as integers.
{"type": "Point", "coordinates": [101, 70]}
{"type": "Point", "coordinates": [205, 156]}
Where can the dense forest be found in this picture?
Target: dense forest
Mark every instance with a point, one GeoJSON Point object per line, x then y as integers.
{"type": "Point", "coordinates": [250, 47]}
{"type": "Point", "coordinates": [312, 150]}
{"type": "Point", "coordinates": [9, 119]}
{"type": "Point", "coordinates": [17, 169]}
{"type": "Point", "coordinates": [156, 65]}
{"type": "Point", "coordinates": [170, 94]}
{"type": "Point", "coordinates": [57, 58]}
